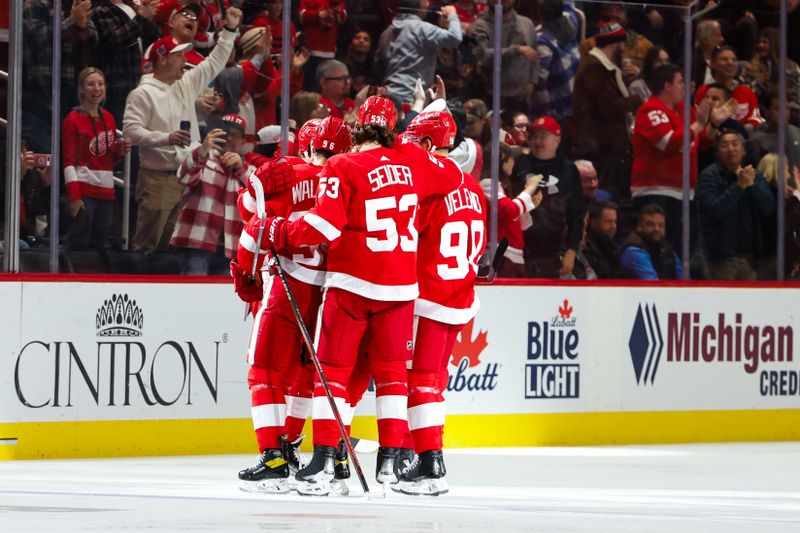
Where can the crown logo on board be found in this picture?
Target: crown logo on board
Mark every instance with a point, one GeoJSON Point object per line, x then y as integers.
{"type": "Point", "coordinates": [119, 317]}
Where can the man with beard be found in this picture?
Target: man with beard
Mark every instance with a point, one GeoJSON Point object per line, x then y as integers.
{"type": "Point", "coordinates": [598, 251]}
{"type": "Point", "coordinates": [559, 59]}
{"type": "Point", "coordinates": [602, 108]}
{"type": "Point", "coordinates": [548, 238]}
{"type": "Point", "coordinates": [646, 254]}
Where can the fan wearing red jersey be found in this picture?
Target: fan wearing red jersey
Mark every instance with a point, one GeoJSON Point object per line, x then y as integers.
{"type": "Point", "coordinates": [366, 210]}
{"type": "Point", "coordinates": [280, 385]}
{"type": "Point", "coordinates": [452, 237]}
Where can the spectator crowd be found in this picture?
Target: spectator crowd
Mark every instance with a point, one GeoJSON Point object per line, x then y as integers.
{"type": "Point", "coordinates": [591, 151]}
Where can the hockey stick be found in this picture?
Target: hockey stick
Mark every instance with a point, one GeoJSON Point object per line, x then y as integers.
{"type": "Point", "coordinates": [486, 268]}
{"type": "Point", "coordinates": [262, 216]}
{"type": "Point", "coordinates": [315, 358]}
{"type": "Point", "coordinates": [306, 336]}
{"type": "Point", "coordinates": [261, 213]}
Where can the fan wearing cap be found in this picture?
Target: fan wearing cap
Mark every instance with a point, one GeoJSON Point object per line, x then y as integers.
{"type": "Point", "coordinates": [366, 207]}
{"type": "Point", "coordinates": [153, 115]}
{"type": "Point", "coordinates": [548, 238]}
{"type": "Point", "coordinates": [452, 236]}
{"type": "Point", "coordinates": [602, 111]}
{"type": "Point", "coordinates": [211, 177]}
{"type": "Point", "coordinates": [181, 25]}
{"type": "Point", "coordinates": [635, 46]}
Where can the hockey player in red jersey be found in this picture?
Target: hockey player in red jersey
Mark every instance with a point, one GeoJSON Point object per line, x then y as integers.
{"type": "Point", "coordinates": [281, 386]}
{"type": "Point", "coordinates": [366, 210]}
{"type": "Point", "coordinates": [452, 237]}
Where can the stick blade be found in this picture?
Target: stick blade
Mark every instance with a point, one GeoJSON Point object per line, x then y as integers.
{"type": "Point", "coordinates": [488, 266]}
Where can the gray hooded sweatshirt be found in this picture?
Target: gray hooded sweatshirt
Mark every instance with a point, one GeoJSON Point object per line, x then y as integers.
{"type": "Point", "coordinates": [407, 51]}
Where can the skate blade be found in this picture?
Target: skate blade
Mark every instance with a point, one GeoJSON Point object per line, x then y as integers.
{"type": "Point", "coordinates": [339, 487]}
{"type": "Point", "coordinates": [385, 478]}
{"type": "Point", "coordinates": [305, 488]}
{"type": "Point", "coordinates": [318, 485]}
{"type": "Point", "coordinates": [423, 487]}
{"type": "Point", "coordinates": [266, 486]}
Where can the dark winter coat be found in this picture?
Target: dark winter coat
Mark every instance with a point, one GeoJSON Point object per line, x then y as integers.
{"type": "Point", "coordinates": [600, 122]}
{"type": "Point", "coordinates": [731, 217]}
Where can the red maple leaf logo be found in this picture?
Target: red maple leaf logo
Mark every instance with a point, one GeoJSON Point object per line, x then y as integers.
{"type": "Point", "coordinates": [565, 310]}
{"type": "Point", "coordinates": [468, 347]}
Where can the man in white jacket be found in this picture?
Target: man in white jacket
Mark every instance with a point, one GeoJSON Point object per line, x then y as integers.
{"type": "Point", "coordinates": [153, 115]}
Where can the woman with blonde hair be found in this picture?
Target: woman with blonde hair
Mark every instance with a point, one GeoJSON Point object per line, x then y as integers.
{"type": "Point", "coordinates": [90, 148]}
{"type": "Point", "coordinates": [306, 105]}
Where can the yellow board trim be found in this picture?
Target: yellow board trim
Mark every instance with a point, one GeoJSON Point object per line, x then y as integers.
{"type": "Point", "coordinates": [133, 438]}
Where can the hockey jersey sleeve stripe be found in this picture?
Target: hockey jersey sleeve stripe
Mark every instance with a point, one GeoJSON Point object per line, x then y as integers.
{"type": "Point", "coordinates": [391, 406]}
{"type": "Point", "coordinates": [526, 201]}
{"type": "Point", "coordinates": [664, 142]}
{"type": "Point", "coordinates": [247, 242]}
{"type": "Point", "coordinates": [321, 409]}
{"type": "Point", "coordinates": [426, 415]}
{"type": "Point", "coordinates": [327, 229]}
{"type": "Point", "coordinates": [448, 315]}
{"type": "Point", "coordinates": [267, 416]}
{"type": "Point", "coordinates": [249, 202]}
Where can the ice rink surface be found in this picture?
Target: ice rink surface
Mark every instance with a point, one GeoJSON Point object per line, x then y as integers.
{"type": "Point", "coordinates": [708, 488]}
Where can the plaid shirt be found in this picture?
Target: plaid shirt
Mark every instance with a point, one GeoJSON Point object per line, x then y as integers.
{"type": "Point", "coordinates": [208, 205]}
{"type": "Point", "coordinates": [558, 64]}
{"type": "Point", "coordinates": [122, 42]}
{"type": "Point", "coordinates": [37, 23]}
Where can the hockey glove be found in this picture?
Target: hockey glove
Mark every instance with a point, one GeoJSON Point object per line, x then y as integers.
{"type": "Point", "coordinates": [249, 290]}
{"type": "Point", "coordinates": [274, 235]}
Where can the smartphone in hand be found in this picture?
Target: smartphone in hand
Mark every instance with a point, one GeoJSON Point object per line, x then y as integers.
{"type": "Point", "coordinates": [41, 160]}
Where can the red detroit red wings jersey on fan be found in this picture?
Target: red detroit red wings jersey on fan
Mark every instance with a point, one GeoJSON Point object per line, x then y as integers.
{"type": "Point", "coordinates": [747, 109]}
{"type": "Point", "coordinates": [657, 146]}
{"type": "Point", "coordinates": [371, 224]}
{"type": "Point", "coordinates": [452, 239]}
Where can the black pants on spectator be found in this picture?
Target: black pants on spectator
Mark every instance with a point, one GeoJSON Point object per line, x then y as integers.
{"type": "Point", "coordinates": [91, 226]}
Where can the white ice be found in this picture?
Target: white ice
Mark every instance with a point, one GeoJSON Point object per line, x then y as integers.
{"type": "Point", "coordinates": [707, 488]}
